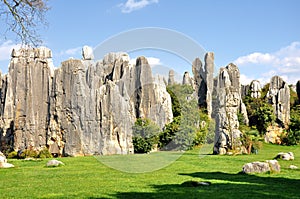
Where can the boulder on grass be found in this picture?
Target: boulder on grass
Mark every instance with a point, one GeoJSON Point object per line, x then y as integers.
{"type": "Point", "coordinates": [3, 162]}
{"type": "Point", "coordinates": [54, 163]}
{"type": "Point", "coordinates": [256, 167]}
{"type": "Point", "coordinates": [274, 165]}
{"type": "Point", "coordinates": [6, 165]}
{"type": "Point", "coordinates": [261, 167]}
{"type": "Point", "coordinates": [285, 156]}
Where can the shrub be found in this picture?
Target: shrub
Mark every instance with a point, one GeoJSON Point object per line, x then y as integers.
{"type": "Point", "coordinates": [292, 136]}
{"type": "Point", "coordinates": [28, 153]}
{"type": "Point", "coordinates": [145, 135]}
{"type": "Point", "coordinates": [44, 153]}
{"type": "Point", "coordinates": [12, 155]}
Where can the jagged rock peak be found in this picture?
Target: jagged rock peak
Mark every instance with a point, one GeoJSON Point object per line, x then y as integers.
{"type": "Point", "coordinates": [279, 98]}
{"type": "Point", "coordinates": [41, 52]}
{"type": "Point", "coordinates": [187, 80]}
{"type": "Point", "coordinates": [87, 53]}
{"type": "Point", "coordinates": [255, 89]}
{"type": "Point", "coordinates": [171, 79]}
{"type": "Point", "coordinates": [229, 104]}
{"type": "Point", "coordinates": [203, 81]}
{"type": "Point", "coordinates": [298, 89]}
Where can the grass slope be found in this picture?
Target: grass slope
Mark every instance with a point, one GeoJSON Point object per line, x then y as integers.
{"type": "Point", "coordinates": [86, 177]}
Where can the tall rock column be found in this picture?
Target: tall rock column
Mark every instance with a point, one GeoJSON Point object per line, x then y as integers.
{"type": "Point", "coordinates": [279, 98]}
{"type": "Point", "coordinates": [227, 134]}
{"type": "Point", "coordinates": [27, 98]}
{"type": "Point", "coordinates": [204, 81]}
{"type": "Point", "coordinates": [209, 78]}
{"type": "Point", "coordinates": [298, 89]}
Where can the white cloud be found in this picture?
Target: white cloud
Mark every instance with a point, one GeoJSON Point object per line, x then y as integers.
{"type": "Point", "coordinates": [6, 48]}
{"type": "Point", "coordinates": [285, 62]}
{"type": "Point", "coordinates": [245, 80]}
{"type": "Point", "coordinates": [255, 58]}
{"type": "Point", "coordinates": [72, 51]}
{"type": "Point", "coordinates": [132, 5]}
{"type": "Point", "coordinates": [152, 61]}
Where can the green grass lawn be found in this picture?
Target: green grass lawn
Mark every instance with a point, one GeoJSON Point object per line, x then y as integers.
{"type": "Point", "coordinates": [87, 177]}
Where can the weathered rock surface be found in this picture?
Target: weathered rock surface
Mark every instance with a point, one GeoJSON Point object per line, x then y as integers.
{"type": "Point", "coordinates": [293, 167]}
{"type": "Point", "coordinates": [255, 89]}
{"type": "Point", "coordinates": [87, 53]}
{"type": "Point", "coordinates": [81, 108]}
{"type": "Point", "coordinates": [298, 89]}
{"type": "Point", "coordinates": [3, 162]}
{"type": "Point", "coordinates": [27, 90]}
{"type": "Point", "coordinates": [279, 98]}
{"type": "Point", "coordinates": [204, 81]}
{"type": "Point", "coordinates": [261, 167]}
{"type": "Point", "coordinates": [171, 79]}
{"type": "Point", "coordinates": [285, 156]}
{"type": "Point", "coordinates": [187, 80]}
{"type": "Point", "coordinates": [54, 163]}
{"type": "Point", "coordinates": [273, 134]}
{"type": "Point", "coordinates": [229, 103]}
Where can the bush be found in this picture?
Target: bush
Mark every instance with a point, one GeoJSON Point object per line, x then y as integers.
{"type": "Point", "coordinates": [190, 125]}
{"type": "Point", "coordinates": [145, 135]}
{"type": "Point", "coordinates": [28, 153]}
{"type": "Point", "coordinates": [292, 136]}
{"type": "Point", "coordinates": [44, 153]}
{"type": "Point", "coordinates": [12, 155]}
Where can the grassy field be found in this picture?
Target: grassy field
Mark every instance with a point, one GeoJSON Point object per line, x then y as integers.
{"type": "Point", "coordinates": [87, 177]}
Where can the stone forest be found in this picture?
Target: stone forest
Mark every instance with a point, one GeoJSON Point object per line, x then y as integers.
{"type": "Point", "coordinates": [90, 107]}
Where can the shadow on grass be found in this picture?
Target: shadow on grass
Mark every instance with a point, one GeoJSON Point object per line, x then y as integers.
{"type": "Point", "coordinates": [223, 185]}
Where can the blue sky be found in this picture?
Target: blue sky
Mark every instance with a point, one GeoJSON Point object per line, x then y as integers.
{"type": "Point", "coordinates": [261, 36]}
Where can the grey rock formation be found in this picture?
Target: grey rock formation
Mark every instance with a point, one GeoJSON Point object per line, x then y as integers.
{"type": "Point", "coordinates": [256, 167]}
{"type": "Point", "coordinates": [244, 90]}
{"type": "Point", "coordinates": [54, 163]}
{"type": "Point", "coordinates": [3, 162]}
{"type": "Point", "coordinates": [81, 108]}
{"type": "Point", "coordinates": [228, 105]}
{"type": "Point", "coordinates": [279, 98]}
{"type": "Point", "coordinates": [87, 53]}
{"type": "Point", "coordinates": [171, 79]}
{"type": "Point", "coordinates": [255, 89]}
{"type": "Point", "coordinates": [298, 89]}
{"type": "Point", "coordinates": [261, 167]}
{"type": "Point", "coordinates": [25, 113]}
{"type": "Point", "coordinates": [285, 156]}
{"type": "Point", "coordinates": [187, 80]}
{"type": "Point", "coordinates": [204, 81]}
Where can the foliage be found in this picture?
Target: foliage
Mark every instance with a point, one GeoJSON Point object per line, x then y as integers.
{"type": "Point", "coordinates": [260, 112]}
{"type": "Point", "coordinates": [145, 135]}
{"type": "Point", "coordinates": [176, 108]}
{"type": "Point", "coordinates": [12, 155]}
{"type": "Point", "coordinates": [45, 153]}
{"type": "Point", "coordinates": [190, 126]}
{"type": "Point", "coordinates": [23, 18]}
{"type": "Point", "coordinates": [251, 139]}
{"type": "Point", "coordinates": [292, 136]}
{"type": "Point", "coordinates": [293, 98]}
{"type": "Point", "coordinates": [29, 153]}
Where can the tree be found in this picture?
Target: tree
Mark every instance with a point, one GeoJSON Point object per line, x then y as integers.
{"type": "Point", "coordinates": [145, 135]}
{"type": "Point", "coordinates": [23, 18]}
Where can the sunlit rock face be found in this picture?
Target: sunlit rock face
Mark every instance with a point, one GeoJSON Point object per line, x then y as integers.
{"type": "Point", "coordinates": [279, 97]}
{"type": "Point", "coordinates": [84, 107]}
{"type": "Point", "coordinates": [229, 104]}
{"type": "Point", "coordinates": [204, 81]}
{"type": "Point", "coordinates": [255, 89]}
